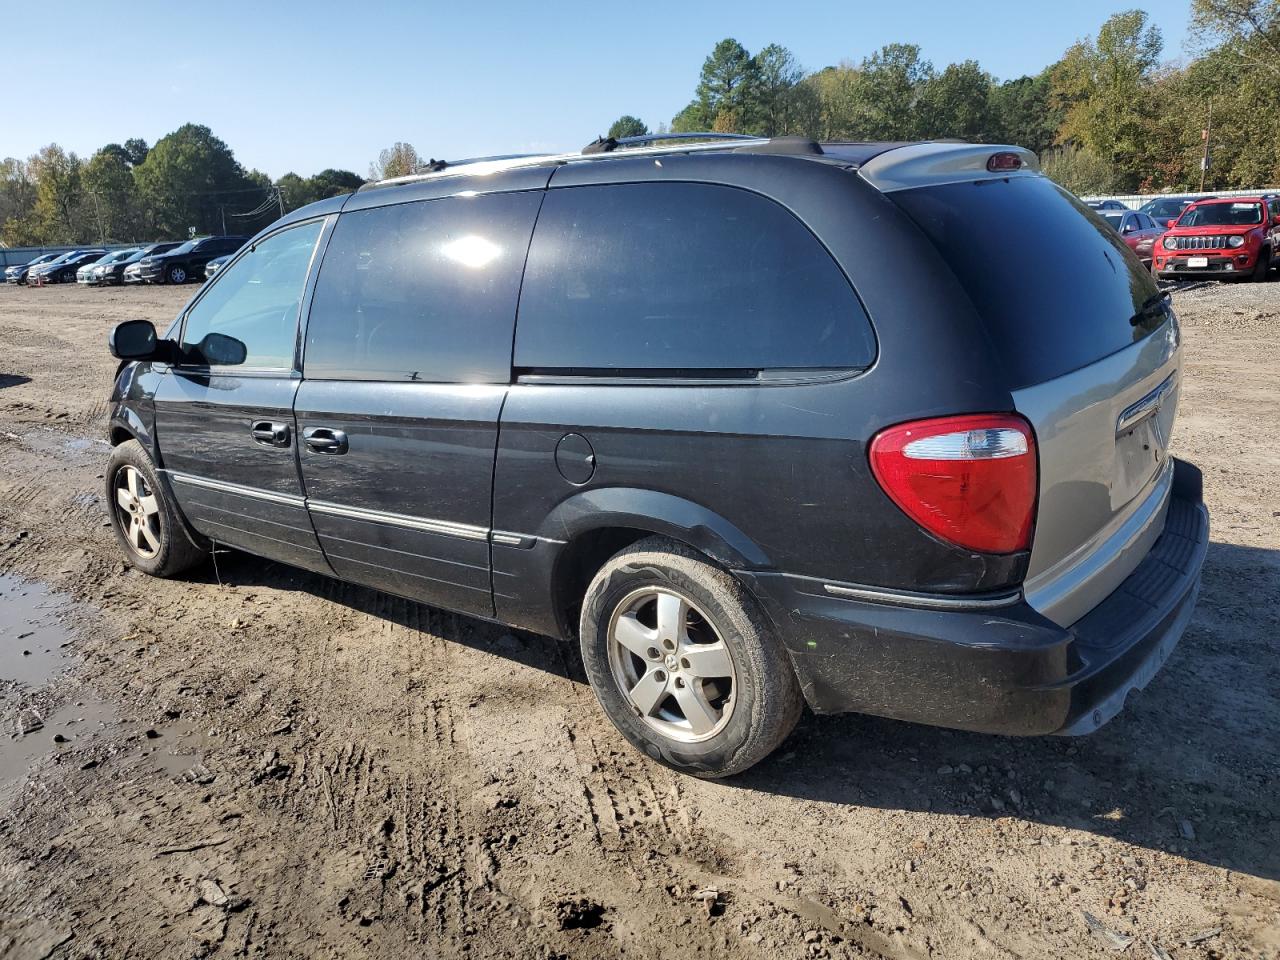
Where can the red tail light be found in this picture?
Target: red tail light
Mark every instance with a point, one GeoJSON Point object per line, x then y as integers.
{"type": "Point", "coordinates": [970, 480]}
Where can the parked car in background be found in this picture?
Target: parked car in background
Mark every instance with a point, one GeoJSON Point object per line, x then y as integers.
{"type": "Point", "coordinates": [94, 273]}
{"type": "Point", "coordinates": [1226, 238]}
{"type": "Point", "coordinates": [63, 269]}
{"type": "Point", "coordinates": [19, 271]}
{"type": "Point", "coordinates": [187, 261]}
{"type": "Point", "coordinates": [213, 265]}
{"type": "Point", "coordinates": [114, 272]}
{"type": "Point", "coordinates": [1106, 205]}
{"type": "Point", "coordinates": [1137, 230]}
{"type": "Point", "coordinates": [812, 476]}
{"type": "Point", "coordinates": [1164, 209]}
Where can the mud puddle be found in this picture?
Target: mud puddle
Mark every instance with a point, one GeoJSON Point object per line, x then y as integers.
{"type": "Point", "coordinates": [33, 655]}
{"type": "Point", "coordinates": [32, 639]}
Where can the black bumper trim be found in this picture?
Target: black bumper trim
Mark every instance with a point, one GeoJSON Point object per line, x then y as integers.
{"type": "Point", "coordinates": [1009, 671]}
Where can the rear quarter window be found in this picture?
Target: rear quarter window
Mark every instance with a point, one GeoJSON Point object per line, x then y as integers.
{"type": "Point", "coordinates": [1055, 285]}
{"type": "Point", "coordinates": [670, 277]}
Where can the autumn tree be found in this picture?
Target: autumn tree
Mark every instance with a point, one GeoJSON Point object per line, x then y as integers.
{"type": "Point", "coordinates": [1105, 86]}
{"type": "Point", "coordinates": [59, 212]}
{"type": "Point", "coordinates": [17, 200]}
{"type": "Point", "coordinates": [112, 194]}
{"type": "Point", "coordinates": [398, 160]}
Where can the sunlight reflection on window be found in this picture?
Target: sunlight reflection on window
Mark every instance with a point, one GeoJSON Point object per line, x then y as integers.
{"type": "Point", "coordinates": [472, 251]}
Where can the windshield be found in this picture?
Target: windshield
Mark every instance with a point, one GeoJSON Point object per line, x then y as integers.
{"type": "Point", "coordinates": [118, 256]}
{"type": "Point", "coordinates": [1222, 215]}
{"type": "Point", "coordinates": [1113, 219]}
{"type": "Point", "coordinates": [184, 248]}
{"type": "Point", "coordinates": [1164, 209]}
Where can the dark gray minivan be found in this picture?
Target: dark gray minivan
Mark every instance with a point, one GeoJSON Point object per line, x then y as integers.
{"type": "Point", "coordinates": [759, 422]}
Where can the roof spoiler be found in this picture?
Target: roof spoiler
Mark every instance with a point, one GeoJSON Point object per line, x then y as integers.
{"type": "Point", "coordinates": [929, 164]}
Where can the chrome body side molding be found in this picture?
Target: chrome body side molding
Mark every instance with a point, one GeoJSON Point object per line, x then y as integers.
{"type": "Point", "coordinates": [931, 601]}
{"type": "Point", "coordinates": [444, 527]}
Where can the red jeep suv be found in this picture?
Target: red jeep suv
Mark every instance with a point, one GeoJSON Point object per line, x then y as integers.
{"type": "Point", "coordinates": [1229, 237]}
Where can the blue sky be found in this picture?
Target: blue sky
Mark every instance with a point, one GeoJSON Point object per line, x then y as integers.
{"type": "Point", "coordinates": [300, 86]}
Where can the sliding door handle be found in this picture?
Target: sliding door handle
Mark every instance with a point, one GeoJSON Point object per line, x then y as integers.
{"type": "Point", "coordinates": [325, 440]}
{"type": "Point", "coordinates": [270, 433]}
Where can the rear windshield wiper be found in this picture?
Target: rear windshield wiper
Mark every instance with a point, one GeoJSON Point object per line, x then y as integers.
{"type": "Point", "coordinates": [1152, 306]}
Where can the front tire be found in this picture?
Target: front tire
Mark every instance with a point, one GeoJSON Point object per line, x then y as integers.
{"type": "Point", "coordinates": [684, 663]}
{"type": "Point", "coordinates": [145, 521]}
{"type": "Point", "coordinates": [176, 274]}
{"type": "Point", "coordinates": [1262, 267]}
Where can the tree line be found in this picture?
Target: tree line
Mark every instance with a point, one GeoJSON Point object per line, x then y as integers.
{"type": "Point", "coordinates": [132, 191]}
{"type": "Point", "coordinates": [1109, 116]}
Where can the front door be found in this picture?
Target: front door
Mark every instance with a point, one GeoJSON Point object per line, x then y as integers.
{"type": "Point", "coordinates": [407, 363]}
{"type": "Point", "coordinates": [224, 414]}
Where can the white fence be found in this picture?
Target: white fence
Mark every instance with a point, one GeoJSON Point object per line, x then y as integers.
{"type": "Point", "coordinates": [1133, 201]}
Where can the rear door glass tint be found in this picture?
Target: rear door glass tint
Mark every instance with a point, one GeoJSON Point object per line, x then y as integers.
{"type": "Point", "coordinates": [422, 291]}
{"type": "Point", "coordinates": [1056, 286]}
{"type": "Point", "coordinates": [682, 276]}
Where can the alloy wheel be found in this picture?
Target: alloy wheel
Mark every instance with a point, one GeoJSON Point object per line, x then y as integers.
{"type": "Point", "coordinates": [671, 665]}
{"type": "Point", "coordinates": [137, 512]}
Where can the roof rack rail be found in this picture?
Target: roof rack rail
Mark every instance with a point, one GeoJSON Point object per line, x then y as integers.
{"type": "Point", "coordinates": [609, 144]}
{"type": "Point", "coordinates": [432, 167]}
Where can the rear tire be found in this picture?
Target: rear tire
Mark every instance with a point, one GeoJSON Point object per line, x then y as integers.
{"type": "Point", "coordinates": [145, 521]}
{"type": "Point", "coordinates": [684, 663]}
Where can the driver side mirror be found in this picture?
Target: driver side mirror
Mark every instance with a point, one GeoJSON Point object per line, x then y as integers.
{"type": "Point", "coordinates": [136, 340]}
{"type": "Point", "coordinates": [1170, 223]}
{"type": "Point", "coordinates": [1128, 228]}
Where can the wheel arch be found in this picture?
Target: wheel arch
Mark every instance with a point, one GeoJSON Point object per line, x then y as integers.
{"type": "Point", "coordinates": [596, 524]}
{"type": "Point", "coordinates": [126, 424]}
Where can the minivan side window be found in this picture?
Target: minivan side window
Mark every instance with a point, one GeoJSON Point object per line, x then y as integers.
{"type": "Point", "coordinates": [423, 291]}
{"type": "Point", "coordinates": [672, 277]}
{"type": "Point", "coordinates": [256, 300]}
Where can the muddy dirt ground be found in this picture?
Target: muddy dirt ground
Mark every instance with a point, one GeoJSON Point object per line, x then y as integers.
{"type": "Point", "coordinates": [256, 761]}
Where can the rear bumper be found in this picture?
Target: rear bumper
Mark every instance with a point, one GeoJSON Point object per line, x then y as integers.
{"type": "Point", "coordinates": [1000, 669]}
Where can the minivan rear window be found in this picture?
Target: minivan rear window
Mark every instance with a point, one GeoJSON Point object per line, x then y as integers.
{"type": "Point", "coordinates": [682, 277]}
{"type": "Point", "coordinates": [1055, 284]}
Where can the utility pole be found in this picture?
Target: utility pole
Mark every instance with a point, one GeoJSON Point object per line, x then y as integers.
{"type": "Point", "coordinates": [222, 209]}
{"type": "Point", "coordinates": [1205, 134]}
{"type": "Point", "coordinates": [280, 200]}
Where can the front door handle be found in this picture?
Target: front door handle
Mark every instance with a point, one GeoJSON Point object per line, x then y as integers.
{"type": "Point", "coordinates": [325, 440]}
{"type": "Point", "coordinates": [270, 433]}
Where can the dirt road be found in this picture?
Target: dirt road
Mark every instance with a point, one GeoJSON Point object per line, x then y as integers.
{"type": "Point", "coordinates": [261, 762]}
